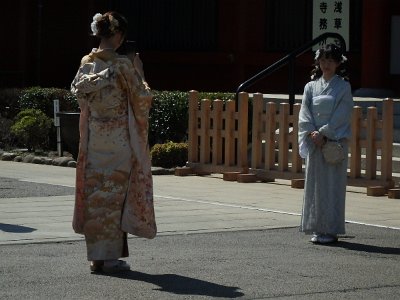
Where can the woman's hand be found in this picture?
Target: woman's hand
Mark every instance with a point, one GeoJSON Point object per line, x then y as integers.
{"type": "Point", "coordinates": [317, 138]}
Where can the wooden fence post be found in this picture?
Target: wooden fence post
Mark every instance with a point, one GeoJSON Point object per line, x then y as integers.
{"type": "Point", "coordinates": [270, 126]}
{"type": "Point", "coordinates": [372, 116]}
{"type": "Point", "coordinates": [355, 147]}
{"type": "Point", "coordinates": [193, 150]}
{"type": "Point", "coordinates": [283, 136]}
{"type": "Point", "coordinates": [205, 131]}
{"type": "Point", "coordinates": [229, 116]}
{"type": "Point", "coordinates": [256, 148]}
{"type": "Point", "coordinates": [387, 140]}
{"type": "Point", "coordinates": [216, 132]}
{"type": "Point", "coordinates": [243, 117]}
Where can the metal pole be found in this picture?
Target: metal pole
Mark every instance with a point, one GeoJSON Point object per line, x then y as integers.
{"type": "Point", "coordinates": [57, 125]}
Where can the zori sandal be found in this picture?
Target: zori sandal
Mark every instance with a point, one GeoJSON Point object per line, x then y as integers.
{"type": "Point", "coordinates": [96, 265]}
{"type": "Point", "coordinates": [118, 266]}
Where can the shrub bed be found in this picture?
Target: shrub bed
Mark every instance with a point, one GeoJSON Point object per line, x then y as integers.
{"type": "Point", "coordinates": [32, 128]}
{"type": "Point", "coordinates": [169, 155]}
{"type": "Point", "coordinates": [168, 115]}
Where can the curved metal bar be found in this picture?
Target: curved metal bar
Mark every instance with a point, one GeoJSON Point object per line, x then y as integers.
{"type": "Point", "coordinates": [285, 60]}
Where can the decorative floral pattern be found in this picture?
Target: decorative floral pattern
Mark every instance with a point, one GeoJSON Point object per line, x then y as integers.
{"type": "Point", "coordinates": [114, 190]}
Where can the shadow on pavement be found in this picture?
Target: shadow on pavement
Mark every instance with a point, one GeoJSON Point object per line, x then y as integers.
{"type": "Point", "coordinates": [366, 248]}
{"type": "Point", "coordinates": [181, 285]}
{"type": "Point", "coordinates": [15, 228]}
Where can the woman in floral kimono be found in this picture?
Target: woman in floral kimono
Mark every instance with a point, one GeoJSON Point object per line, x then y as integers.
{"type": "Point", "coordinates": [325, 115]}
{"type": "Point", "coordinates": [114, 193]}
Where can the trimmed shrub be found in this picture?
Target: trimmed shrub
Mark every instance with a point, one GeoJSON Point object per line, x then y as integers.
{"type": "Point", "coordinates": [42, 98]}
{"type": "Point", "coordinates": [32, 128]}
{"type": "Point", "coordinates": [217, 95]}
{"type": "Point", "coordinates": [168, 120]}
{"type": "Point", "coordinates": [169, 155]}
{"type": "Point", "coordinates": [169, 115]}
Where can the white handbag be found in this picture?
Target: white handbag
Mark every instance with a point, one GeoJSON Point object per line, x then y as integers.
{"type": "Point", "coordinates": [333, 152]}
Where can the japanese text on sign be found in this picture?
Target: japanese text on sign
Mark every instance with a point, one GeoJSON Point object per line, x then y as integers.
{"type": "Point", "coordinates": [331, 16]}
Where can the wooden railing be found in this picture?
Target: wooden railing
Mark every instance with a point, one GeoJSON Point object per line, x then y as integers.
{"type": "Point", "coordinates": [375, 136]}
{"type": "Point", "coordinates": [274, 140]}
{"type": "Point", "coordinates": [219, 135]}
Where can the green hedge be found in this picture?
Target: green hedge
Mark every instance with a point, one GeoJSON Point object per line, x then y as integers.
{"type": "Point", "coordinates": [32, 128]}
{"type": "Point", "coordinates": [169, 155]}
{"type": "Point", "coordinates": [42, 98]}
{"type": "Point", "coordinates": [168, 115]}
{"type": "Point", "coordinates": [13, 100]}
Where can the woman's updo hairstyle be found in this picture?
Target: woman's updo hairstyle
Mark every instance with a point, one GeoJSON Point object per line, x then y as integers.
{"type": "Point", "coordinates": [108, 24]}
{"type": "Point", "coordinates": [330, 51]}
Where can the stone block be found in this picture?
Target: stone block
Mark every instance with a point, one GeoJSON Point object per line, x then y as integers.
{"type": "Point", "coordinates": [376, 191]}
{"type": "Point", "coordinates": [62, 161]}
{"type": "Point", "coordinates": [183, 171]}
{"type": "Point", "coordinates": [297, 183]}
{"type": "Point", "coordinates": [246, 178]}
{"type": "Point", "coordinates": [394, 193]}
{"type": "Point", "coordinates": [8, 156]}
{"type": "Point", "coordinates": [230, 176]}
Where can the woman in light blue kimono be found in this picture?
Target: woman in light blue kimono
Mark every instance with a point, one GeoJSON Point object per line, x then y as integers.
{"type": "Point", "coordinates": [325, 114]}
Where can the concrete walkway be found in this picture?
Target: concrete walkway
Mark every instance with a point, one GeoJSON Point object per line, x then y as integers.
{"type": "Point", "coordinates": [183, 205]}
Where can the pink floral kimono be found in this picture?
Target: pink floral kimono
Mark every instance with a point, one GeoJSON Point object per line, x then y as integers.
{"type": "Point", "coordinates": [114, 189]}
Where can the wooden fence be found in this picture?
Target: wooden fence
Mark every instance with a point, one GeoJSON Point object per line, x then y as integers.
{"type": "Point", "coordinates": [220, 140]}
{"type": "Point", "coordinates": [218, 137]}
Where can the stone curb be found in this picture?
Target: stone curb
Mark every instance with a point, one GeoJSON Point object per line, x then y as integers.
{"type": "Point", "coordinates": [64, 161]}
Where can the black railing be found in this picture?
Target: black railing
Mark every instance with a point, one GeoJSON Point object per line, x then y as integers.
{"type": "Point", "coordinates": [289, 59]}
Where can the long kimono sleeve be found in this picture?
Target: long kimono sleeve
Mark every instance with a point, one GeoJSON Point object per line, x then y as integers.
{"type": "Point", "coordinates": [140, 97]}
{"type": "Point", "coordinates": [306, 123]}
{"type": "Point", "coordinates": [338, 126]}
{"type": "Point", "coordinates": [138, 216]}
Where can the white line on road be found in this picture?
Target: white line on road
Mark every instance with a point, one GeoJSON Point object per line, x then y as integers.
{"type": "Point", "coordinates": [264, 209]}
{"type": "Point", "coordinates": [229, 205]}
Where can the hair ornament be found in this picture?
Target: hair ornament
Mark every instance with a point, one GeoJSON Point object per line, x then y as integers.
{"type": "Point", "coordinates": [314, 72]}
{"type": "Point", "coordinates": [97, 17]}
{"type": "Point", "coordinates": [344, 59]}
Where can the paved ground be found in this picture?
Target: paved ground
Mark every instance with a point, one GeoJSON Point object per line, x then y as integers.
{"type": "Point", "coordinates": [216, 240]}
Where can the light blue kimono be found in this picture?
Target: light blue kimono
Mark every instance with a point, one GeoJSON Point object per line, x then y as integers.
{"type": "Point", "coordinates": [326, 107]}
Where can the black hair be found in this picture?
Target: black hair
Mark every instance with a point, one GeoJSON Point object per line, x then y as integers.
{"type": "Point", "coordinates": [333, 52]}
{"type": "Point", "coordinates": [107, 27]}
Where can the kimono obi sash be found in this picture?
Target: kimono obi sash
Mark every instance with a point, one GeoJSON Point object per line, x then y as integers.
{"type": "Point", "coordinates": [322, 107]}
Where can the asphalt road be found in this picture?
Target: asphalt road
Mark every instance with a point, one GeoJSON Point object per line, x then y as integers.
{"type": "Point", "coordinates": [12, 188]}
{"type": "Point", "coordinates": [217, 259]}
{"type": "Point", "coordinates": [262, 264]}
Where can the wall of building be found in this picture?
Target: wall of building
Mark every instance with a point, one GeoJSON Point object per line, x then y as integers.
{"type": "Point", "coordinates": [46, 44]}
